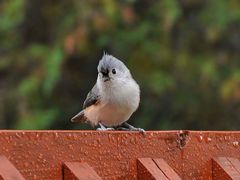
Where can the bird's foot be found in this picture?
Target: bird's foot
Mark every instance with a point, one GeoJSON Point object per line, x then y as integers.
{"type": "Point", "coordinates": [103, 128]}
{"type": "Point", "coordinates": [127, 127]}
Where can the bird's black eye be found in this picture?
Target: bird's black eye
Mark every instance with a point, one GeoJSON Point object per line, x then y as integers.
{"type": "Point", "coordinates": [113, 71]}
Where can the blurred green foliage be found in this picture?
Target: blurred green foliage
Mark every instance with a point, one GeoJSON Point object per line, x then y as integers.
{"type": "Point", "coordinates": [185, 54]}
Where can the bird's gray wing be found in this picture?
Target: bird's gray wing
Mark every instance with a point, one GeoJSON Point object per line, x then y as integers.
{"type": "Point", "coordinates": [92, 98]}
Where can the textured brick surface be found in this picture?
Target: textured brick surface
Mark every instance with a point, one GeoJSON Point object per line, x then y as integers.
{"type": "Point", "coordinates": [113, 155]}
{"type": "Point", "coordinates": [166, 169]}
{"type": "Point", "coordinates": [79, 171]}
{"type": "Point", "coordinates": [8, 171]}
{"type": "Point", "coordinates": [225, 168]}
{"type": "Point", "coordinates": [202, 146]}
{"type": "Point", "coordinates": [147, 169]}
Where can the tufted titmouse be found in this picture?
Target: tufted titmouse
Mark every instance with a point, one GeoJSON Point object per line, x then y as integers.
{"type": "Point", "coordinates": [113, 98]}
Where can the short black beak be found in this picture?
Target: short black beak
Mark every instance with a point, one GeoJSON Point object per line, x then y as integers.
{"type": "Point", "coordinates": [104, 72]}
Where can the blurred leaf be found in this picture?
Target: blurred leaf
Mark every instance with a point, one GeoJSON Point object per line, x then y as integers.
{"type": "Point", "coordinates": [39, 119]}
{"type": "Point", "coordinates": [4, 63]}
{"type": "Point", "coordinates": [12, 14]}
{"type": "Point", "coordinates": [29, 86]}
{"type": "Point", "coordinates": [208, 69]}
{"type": "Point", "coordinates": [38, 51]}
{"type": "Point", "coordinates": [231, 85]}
{"type": "Point", "coordinates": [216, 16]}
{"type": "Point", "coordinates": [161, 82]}
{"type": "Point", "coordinates": [171, 12]}
{"type": "Point", "coordinates": [53, 67]}
{"type": "Point", "coordinates": [110, 8]}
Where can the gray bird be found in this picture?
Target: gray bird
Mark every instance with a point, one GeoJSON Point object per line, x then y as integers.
{"type": "Point", "coordinates": [113, 98]}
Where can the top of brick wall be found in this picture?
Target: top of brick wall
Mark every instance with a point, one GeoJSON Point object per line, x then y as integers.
{"type": "Point", "coordinates": [41, 154]}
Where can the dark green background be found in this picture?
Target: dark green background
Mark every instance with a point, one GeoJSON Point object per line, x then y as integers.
{"type": "Point", "coordinates": [185, 54]}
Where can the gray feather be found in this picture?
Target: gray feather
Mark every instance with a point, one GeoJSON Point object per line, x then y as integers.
{"type": "Point", "coordinates": [79, 117]}
{"type": "Point", "coordinates": [92, 98]}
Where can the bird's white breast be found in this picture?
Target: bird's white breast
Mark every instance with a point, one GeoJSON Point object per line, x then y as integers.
{"type": "Point", "coordinates": [118, 102]}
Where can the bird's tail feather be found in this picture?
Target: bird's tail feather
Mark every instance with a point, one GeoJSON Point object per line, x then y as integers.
{"type": "Point", "coordinates": [79, 117]}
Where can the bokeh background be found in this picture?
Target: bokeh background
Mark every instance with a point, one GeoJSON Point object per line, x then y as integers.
{"type": "Point", "coordinates": [185, 54]}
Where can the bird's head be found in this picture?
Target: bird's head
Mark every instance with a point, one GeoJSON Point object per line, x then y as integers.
{"type": "Point", "coordinates": [111, 69]}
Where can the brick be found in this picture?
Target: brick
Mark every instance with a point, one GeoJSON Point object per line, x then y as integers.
{"type": "Point", "coordinates": [148, 170]}
{"type": "Point", "coordinates": [223, 169]}
{"type": "Point", "coordinates": [166, 169]}
{"type": "Point", "coordinates": [79, 171]}
{"type": "Point", "coordinates": [8, 171]}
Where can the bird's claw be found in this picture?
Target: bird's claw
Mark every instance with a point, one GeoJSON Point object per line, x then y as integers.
{"type": "Point", "coordinates": [105, 129]}
{"type": "Point", "coordinates": [131, 128]}
{"type": "Point", "coordinates": [138, 129]}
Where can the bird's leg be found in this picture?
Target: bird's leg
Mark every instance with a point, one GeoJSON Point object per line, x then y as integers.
{"type": "Point", "coordinates": [103, 128]}
{"type": "Point", "coordinates": [122, 128]}
{"type": "Point", "coordinates": [127, 127]}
